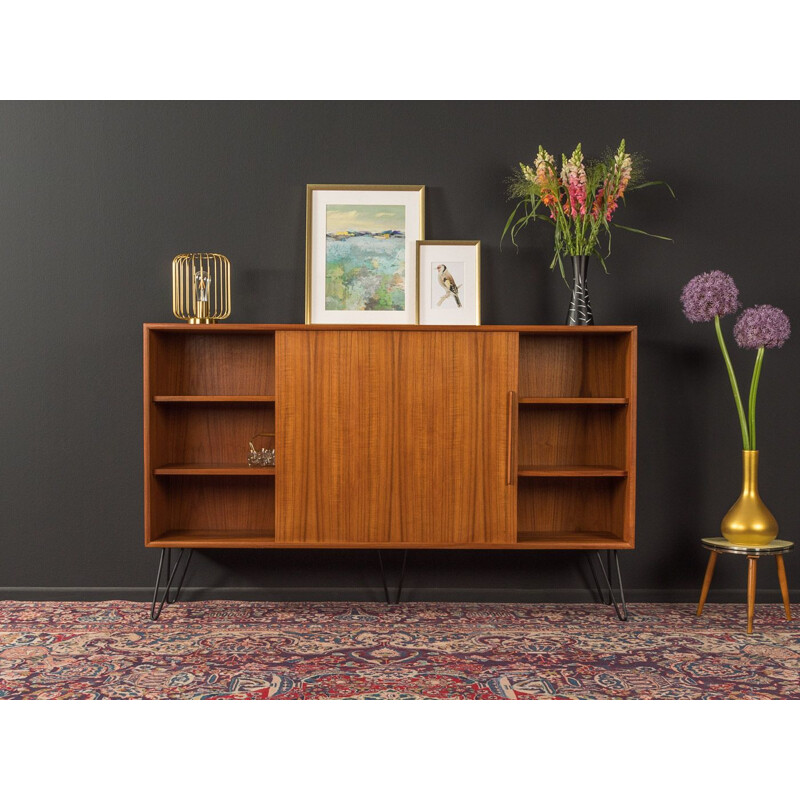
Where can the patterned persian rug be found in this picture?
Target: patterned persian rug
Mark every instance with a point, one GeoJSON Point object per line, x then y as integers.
{"type": "Point", "coordinates": [242, 650]}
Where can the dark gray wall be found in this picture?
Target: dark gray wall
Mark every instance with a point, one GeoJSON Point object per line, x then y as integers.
{"type": "Point", "coordinates": [98, 197]}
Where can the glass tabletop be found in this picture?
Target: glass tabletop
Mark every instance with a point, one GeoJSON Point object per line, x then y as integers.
{"type": "Point", "coordinates": [721, 545]}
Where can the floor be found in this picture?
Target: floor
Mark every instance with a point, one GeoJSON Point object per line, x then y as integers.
{"type": "Point", "coordinates": [247, 650]}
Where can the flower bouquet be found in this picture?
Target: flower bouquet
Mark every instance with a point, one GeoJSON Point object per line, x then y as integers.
{"type": "Point", "coordinates": [708, 297]}
{"type": "Point", "coordinates": [579, 202]}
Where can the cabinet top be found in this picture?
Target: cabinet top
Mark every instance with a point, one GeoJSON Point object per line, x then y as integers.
{"type": "Point", "coordinates": [232, 327]}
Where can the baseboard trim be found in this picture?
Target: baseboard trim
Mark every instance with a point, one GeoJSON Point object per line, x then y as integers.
{"type": "Point", "coordinates": [374, 595]}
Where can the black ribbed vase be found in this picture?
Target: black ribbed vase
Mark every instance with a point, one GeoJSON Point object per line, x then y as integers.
{"type": "Point", "coordinates": [580, 309]}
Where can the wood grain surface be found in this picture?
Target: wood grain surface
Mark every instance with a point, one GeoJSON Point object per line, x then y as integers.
{"type": "Point", "coordinates": [197, 433]}
{"type": "Point", "coordinates": [209, 364]}
{"type": "Point", "coordinates": [394, 437]}
{"type": "Point", "coordinates": [219, 503]}
{"type": "Point", "coordinates": [336, 404]}
{"type": "Point", "coordinates": [553, 365]}
{"type": "Point", "coordinates": [571, 504]}
{"type": "Point", "coordinates": [449, 466]}
{"type": "Point", "coordinates": [497, 437]}
{"type": "Point", "coordinates": [576, 435]}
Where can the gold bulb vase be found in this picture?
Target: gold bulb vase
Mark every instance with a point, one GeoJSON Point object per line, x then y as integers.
{"type": "Point", "coordinates": [749, 523]}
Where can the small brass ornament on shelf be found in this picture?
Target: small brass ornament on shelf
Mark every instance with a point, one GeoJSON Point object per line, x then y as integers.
{"type": "Point", "coordinates": [201, 287]}
{"type": "Point", "coordinates": [262, 456]}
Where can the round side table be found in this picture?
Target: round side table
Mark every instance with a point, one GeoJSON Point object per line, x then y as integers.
{"type": "Point", "coordinates": [775, 548]}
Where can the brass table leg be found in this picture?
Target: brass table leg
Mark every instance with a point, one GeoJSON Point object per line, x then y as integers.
{"type": "Point", "coordinates": [784, 587]}
{"type": "Point", "coordinates": [712, 560]}
{"type": "Point", "coordinates": [751, 590]}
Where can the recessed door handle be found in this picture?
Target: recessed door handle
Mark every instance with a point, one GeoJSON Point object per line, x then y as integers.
{"type": "Point", "coordinates": [512, 396]}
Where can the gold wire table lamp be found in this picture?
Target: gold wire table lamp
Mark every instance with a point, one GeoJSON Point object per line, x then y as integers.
{"type": "Point", "coordinates": [201, 287]}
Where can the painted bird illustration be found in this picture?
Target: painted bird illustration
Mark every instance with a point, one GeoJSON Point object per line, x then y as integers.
{"type": "Point", "coordinates": [447, 282]}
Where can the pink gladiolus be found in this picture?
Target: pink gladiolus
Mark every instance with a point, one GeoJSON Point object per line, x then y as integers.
{"type": "Point", "coordinates": [580, 199]}
{"type": "Point", "coordinates": [573, 174]}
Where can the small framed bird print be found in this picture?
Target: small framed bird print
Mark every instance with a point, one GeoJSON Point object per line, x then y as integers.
{"type": "Point", "coordinates": [449, 282]}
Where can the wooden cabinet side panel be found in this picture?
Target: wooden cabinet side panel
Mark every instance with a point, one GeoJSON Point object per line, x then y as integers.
{"type": "Point", "coordinates": [451, 476]}
{"type": "Point", "coordinates": [334, 408]}
{"type": "Point", "coordinates": [631, 368]}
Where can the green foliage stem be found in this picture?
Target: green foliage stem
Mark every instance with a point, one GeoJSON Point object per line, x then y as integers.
{"type": "Point", "coordinates": [751, 415]}
{"type": "Point", "coordinates": [734, 385]}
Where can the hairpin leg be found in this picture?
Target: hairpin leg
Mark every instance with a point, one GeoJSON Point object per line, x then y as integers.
{"type": "Point", "coordinates": [622, 614]}
{"type": "Point", "coordinates": [400, 582]}
{"type": "Point", "coordinates": [600, 592]}
{"type": "Point", "coordinates": [383, 578]}
{"type": "Point", "coordinates": [155, 613]}
{"type": "Point", "coordinates": [402, 575]}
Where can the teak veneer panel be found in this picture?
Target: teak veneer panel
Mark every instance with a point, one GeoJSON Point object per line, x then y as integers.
{"type": "Point", "coordinates": [581, 435]}
{"type": "Point", "coordinates": [553, 401]}
{"type": "Point", "coordinates": [567, 471]}
{"type": "Point", "coordinates": [212, 469]}
{"type": "Point", "coordinates": [213, 398]}
{"type": "Point", "coordinates": [450, 467]}
{"type": "Point", "coordinates": [572, 504]}
{"type": "Point", "coordinates": [336, 395]}
{"type": "Point", "coordinates": [220, 538]}
{"type": "Point", "coordinates": [199, 433]}
{"type": "Point", "coordinates": [570, 540]}
{"type": "Point", "coordinates": [207, 363]}
{"type": "Point", "coordinates": [219, 503]}
{"type": "Point", "coordinates": [389, 436]}
{"type": "Point", "coordinates": [573, 366]}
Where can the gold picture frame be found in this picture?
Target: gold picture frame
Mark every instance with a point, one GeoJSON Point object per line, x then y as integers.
{"type": "Point", "coordinates": [449, 282]}
{"type": "Point", "coordinates": [327, 207]}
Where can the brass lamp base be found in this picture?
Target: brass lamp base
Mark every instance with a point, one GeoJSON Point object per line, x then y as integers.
{"type": "Point", "coordinates": [202, 321]}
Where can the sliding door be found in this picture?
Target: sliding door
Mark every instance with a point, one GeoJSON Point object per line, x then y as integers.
{"type": "Point", "coordinates": [395, 437]}
{"type": "Point", "coordinates": [453, 478]}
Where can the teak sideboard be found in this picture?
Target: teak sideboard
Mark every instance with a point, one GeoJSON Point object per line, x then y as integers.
{"type": "Point", "coordinates": [499, 437]}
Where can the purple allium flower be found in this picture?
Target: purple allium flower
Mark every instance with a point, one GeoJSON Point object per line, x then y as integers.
{"type": "Point", "coordinates": [761, 326]}
{"type": "Point", "coordinates": [708, 295]}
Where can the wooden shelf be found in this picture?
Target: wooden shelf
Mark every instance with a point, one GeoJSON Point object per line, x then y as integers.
{"type": "Point", "coordinates": [570, 471]}
{"type": "Point", "coordinates": [596, 401]}
{"type": "Point", "coordinates": [571, 540]}
{"type": "Point", "coordinates": [214, 538]}
{"type": "Point", "coordinates": [213, 398]}
{"type": "Point", "coordinates": [212, 469]}
{"type": "Point", "coordinates": [555, 469]}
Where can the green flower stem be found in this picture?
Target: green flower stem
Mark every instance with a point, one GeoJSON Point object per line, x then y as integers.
{"type": "Point", "coordinates": [753, 391]}
{"type": "Point", "coordinates": [734, 385]}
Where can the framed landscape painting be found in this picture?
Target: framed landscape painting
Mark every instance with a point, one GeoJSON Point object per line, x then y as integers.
{"type": "Point", "coordinates": [360, 253]}
{"type": "Point", "coordinates": [449, 280]}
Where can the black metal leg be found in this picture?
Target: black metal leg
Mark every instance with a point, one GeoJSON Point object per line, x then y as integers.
{"type": "Point", "coordinates": [621, 589]}
{"type": "Point", "coordinates": [402, 575]}
{"type": "Point", "coordinates": [153, 615]}
{"type": "Point", "coordinates": [383, 578]}
{"type": "Point", "coordinates": [183, 575]}
{"type": "Point", "coordinates": [171, 573]}
{"type": "Point", "coordinates": [622, 614]}
{"type": "Point", "coordinates": [600, 592]}
{"type": "Point", "coordinates": [400, 582]}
